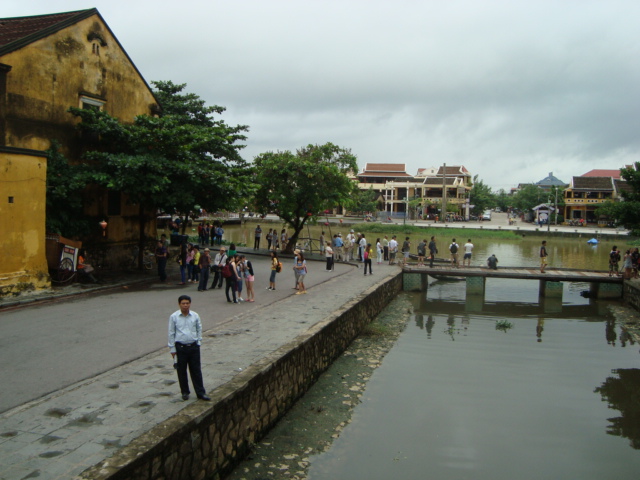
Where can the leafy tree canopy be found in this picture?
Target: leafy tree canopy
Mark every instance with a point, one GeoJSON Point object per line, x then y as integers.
{"type": "Point", "coordinates": [299, 186]}
{"type": "Point", "coordinates": [65, 183]}
{"type": "Point", "coordinates": [481, 197]}
{"type": "Point", "coordinates": [528, 197]}
{"type": "Point", "coordinates": [184, 157]}
{"type": "Point", "coordinates": [363, 201]}
{"type": "Point", "coordinates": [503, 200]}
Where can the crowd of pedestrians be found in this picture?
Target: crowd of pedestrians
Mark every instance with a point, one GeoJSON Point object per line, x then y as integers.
{"type": "Point", "coordinates": [234, 272]}
{"type": "Point", "coordinates": [630, 262]}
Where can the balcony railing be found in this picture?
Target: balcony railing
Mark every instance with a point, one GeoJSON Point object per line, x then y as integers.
{"type": "Point", "coordinates": [584, 201]}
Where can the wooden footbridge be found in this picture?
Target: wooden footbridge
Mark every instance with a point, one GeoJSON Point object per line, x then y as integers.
{"type": "Point", "coordinates": [601, 285]}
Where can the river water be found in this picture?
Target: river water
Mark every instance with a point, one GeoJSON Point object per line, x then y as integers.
{"type": "Point", "coordinates": [554, 396]}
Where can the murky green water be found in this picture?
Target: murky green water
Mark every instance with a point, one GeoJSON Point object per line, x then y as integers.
{"type": "Point", "coordinates": [555, 396]}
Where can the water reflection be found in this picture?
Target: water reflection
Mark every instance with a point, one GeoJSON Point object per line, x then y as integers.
{"type": "Point", "coordinates": [610, 332]}
{"type": "Point", "coordinates": [540, 329]}
{"type": "Point", "coordinates": [622, 393]}
{"type": "Point", "coordinates": [449, 300]}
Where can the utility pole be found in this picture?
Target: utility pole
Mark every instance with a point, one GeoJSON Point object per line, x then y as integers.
{"type": "Point", "coordinates": [556, 205]}
{"type": "Point", "coordinates": [443, 213]}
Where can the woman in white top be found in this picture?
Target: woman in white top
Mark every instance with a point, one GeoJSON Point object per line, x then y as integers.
{"type": "Point", "coordinates": [301, 266]}
{"type": "Point", "coordinates": [328, 252]}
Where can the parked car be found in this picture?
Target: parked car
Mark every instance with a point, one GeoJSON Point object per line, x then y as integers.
{"type": "Point", "coordinates": [486, 216]}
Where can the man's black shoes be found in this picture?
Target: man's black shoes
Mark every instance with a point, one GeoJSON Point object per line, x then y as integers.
{"type": "Point", "coordinates": [205, 398]}
{"type": "Point", "coordinates": [185, 396]}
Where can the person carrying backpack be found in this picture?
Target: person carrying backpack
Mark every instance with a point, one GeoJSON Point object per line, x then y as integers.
{"type": "Point", "coordinates": [231, 279]}
{"type": "Point", "coordinates": [614, 260]}
{"type": "Point", "coordinates": [543, 256]}
{"type": "Point", "coordinates": [276, 267]}
{"type": "Point", "coordinates": [453, 248]}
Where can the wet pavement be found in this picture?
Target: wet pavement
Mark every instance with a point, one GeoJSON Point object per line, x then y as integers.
{"type": "Point", "coordinates": [60, 434]}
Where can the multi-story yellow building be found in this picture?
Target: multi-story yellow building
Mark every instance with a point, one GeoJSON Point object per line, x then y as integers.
{"type": "Point", "coordinates": [586, 194]}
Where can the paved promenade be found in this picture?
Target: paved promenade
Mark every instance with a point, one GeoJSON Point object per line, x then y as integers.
{"type": "Point", "coordinates": [60, 434]}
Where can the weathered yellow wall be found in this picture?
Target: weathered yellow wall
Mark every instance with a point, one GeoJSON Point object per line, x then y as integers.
{"type": "Point", "coordinates": [49, 75]}
{"type": "Point", "coordinates": [22, 223]}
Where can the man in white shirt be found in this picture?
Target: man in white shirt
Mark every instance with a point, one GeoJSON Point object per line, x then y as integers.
{"type": "Point", "coordinates": [362, 244]}
{"type": "Point", "coordinates": [393, 249]}
{"type": "Point", "coordinates": [351, 241]}
{"type": "Point", "coordinates": [218, 262]}
{"type": "Point", "coordinates": [468, 249]}
{"type": "Point", "coordinates": [328, 252]}
{"type": "Point", "coordinates": [185, 337]}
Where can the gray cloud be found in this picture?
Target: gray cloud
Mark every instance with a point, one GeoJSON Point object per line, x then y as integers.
{"type": "Point", "coordinates": [510, 89]}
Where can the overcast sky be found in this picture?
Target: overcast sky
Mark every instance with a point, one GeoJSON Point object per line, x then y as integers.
{"type": "Point", "coordinates": [512, 89]}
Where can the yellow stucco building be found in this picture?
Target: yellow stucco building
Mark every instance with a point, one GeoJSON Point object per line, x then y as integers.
{"type": "Point", "coordinates": [49, 63]}
{"type": "Point", "coordinates": [22, 216]}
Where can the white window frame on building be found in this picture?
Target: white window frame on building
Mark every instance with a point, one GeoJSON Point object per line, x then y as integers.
{"type": "Point", "coordinates": [91, 102]}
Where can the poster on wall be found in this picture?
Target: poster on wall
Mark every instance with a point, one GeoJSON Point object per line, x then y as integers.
{"type": "Point", "coordinates": [71, 253]}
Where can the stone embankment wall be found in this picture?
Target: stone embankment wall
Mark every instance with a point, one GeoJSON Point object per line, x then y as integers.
{"type": "Point", "coordinates": [206, 440]}
{"type": "Point", "coordinates": [631, 294]}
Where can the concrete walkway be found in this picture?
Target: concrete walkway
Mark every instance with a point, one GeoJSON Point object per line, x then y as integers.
{"type": "Point", "coordinates": [63, 433]}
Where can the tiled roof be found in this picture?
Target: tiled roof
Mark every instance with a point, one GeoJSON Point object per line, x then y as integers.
{"type": "Point", "coordinates": [383, 174]}
{"type": "Point", "coordinates": [438, 181]}
{"type": "Point", "coordinates": [592, 183]}
{"type": "Point", "coordinates": [17, 32]}
{"type": "Point", "coordinates": [385, 167]}
{"type": "Point", "coordinates": [603, 173]}
{"type": "Point", "coordinates": [454, 170]}
{"type": "Point", "coordinates": [550, 180]}
{"type": "Point", "coordinates": [621, 185]}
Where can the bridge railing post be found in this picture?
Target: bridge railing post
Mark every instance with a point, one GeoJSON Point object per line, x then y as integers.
{"type": "Point", "coordinates": [550, 289]}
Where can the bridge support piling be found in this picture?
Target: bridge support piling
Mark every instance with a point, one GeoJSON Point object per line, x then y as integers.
{"type": "Point", "coordinates": [476, 285]}
{"type": "Point", "coordinates": [414, 283]}
{"type": "Point", "coordinates": [605, 290]}
{"type": "Point", "coordinates": [550, 289]}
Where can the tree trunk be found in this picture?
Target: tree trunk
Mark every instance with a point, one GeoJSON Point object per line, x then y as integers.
{"type": "Point", "coordinates": [142, 221]}
{"type": "Point", "coordinates": [293, 239]}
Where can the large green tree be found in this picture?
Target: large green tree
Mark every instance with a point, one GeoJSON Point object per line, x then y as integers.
{"type": "Point", "coordinates": [65, 184]}
{"type": "Point", "coordinates": [503, 200]}
{"type": "Point", "coordinates": [300, 186]}
{"type": "Point", "coordinates": [481, 197]}
{"type": "Point", "coordinates": [363, 201]}
{"type": "Point", "coordinates": [183, 158]}
{"type": "Point", "coordinates": [528, 197]}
